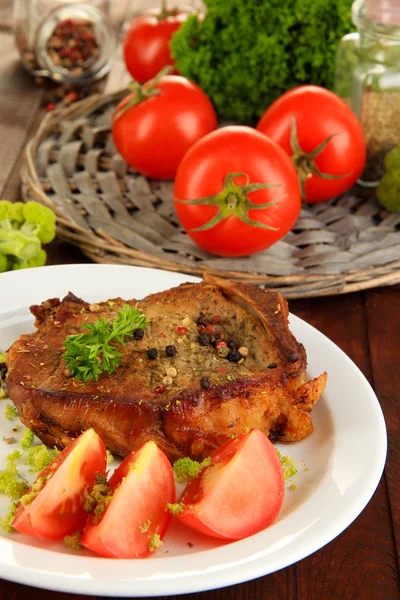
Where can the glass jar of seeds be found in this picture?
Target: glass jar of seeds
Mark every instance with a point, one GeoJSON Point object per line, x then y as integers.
{"type": "Point", "coordinates": [65, 40]}
{"type": "Point", "coordinates": [368, 78]}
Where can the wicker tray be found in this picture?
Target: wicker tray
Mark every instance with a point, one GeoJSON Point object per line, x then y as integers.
{"type": "Point", "coordinates": [118, 216]}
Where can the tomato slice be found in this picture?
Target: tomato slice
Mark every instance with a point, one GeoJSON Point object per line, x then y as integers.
{"type": "Point", "coordinates": [142, 487]}
{"type": "Point", "coordinates": [240, 494]}
{"type": "Point", "coordinates": [58, 510]}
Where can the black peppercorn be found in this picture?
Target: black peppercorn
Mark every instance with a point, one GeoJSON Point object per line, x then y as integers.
{"type": "Point", "coordinates": [152, 353]}
{"type": "Point", "coordinates": [138, 334]}
{"type": "Point", "coordinates": [231, 344]}
{"type": "Point", "coordinates": [170, 351]}
{"type": "Point", "coordinates": [213, 340]}
{"type": "Point", "coordinates": [234, 356]}
{"type": "Point", "coordinates": [201, 320]}
{"type": "Point", "coordinates": [272, 366]}
{"type": "Point", "coordinates": [204, 383]}
{"type": "Point", "coordinates": [3, 371]}
{"type": "Point", "coordinates": [203, 339]}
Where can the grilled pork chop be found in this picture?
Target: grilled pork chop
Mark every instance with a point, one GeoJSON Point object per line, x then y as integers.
{"type": "Point", "coordinates": [174, 386]}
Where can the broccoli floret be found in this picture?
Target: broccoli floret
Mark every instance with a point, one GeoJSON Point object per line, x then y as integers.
{"type": "Point", "coordinates": [23, 230]}
{"type": "Point", "coordinates": [4, 266]}
{"type": "Point", "coordinates": [39, 457]}
{"type": "Point", "coordinates": [27, 438]}
{"type": "Point", "coordinates": [74, 541]}
{"type": "Point", "coordinates": [186, 468]}
{"type": "Point", "coordinates": [17, 244]}
{"type": "Point", "coordinates": [11, 483]}
{"type": "Point", "coordinates": [38, 261]}
{"type": "Point", "coordinates": [40, 220]}
{"type": "Point", "coordinates": [6, 521]}
{"type": "Point", "coordinates": [246, 54]}
{"type": "Point", "coordinates": [11, 412]}
{"type": "Point", "coordinates": [388, 191]}
{"type": "Point", "coordinates": [11, 211]}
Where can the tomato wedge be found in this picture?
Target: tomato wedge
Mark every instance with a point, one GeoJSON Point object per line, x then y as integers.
{"type": "Point", "coordinates": [136, 519]}
{"type": "Point", "coordinates": [57, 510]}
{"type": "Point", "coordinates": [240, 494]}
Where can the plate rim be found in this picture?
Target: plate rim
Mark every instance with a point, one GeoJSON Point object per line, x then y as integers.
{"type": "Point", "coordinates": [223, 577]}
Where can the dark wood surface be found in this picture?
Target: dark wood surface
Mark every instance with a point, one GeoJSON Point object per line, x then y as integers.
{"type": "Point", "coordinates": [363, 562]}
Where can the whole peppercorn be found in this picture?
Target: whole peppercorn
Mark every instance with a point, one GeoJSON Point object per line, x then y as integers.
{"type": "Point", "coordinates": [223, 351]}
{"type": "Point", "coordinates": [234, 356]}
{"type": "Point", "coordinates": [181, 330]}
{"type": "Point", "coordinates": [160, 389]}
{"type": "Point", "coordinates": [138, 334]}
{"type": "Point", "coordinates": [203, 339]}
{"type": "Point", "coordinates": [204, 383]}
{"type": "Point", "coordinates": [231, 344]}
{"type": "Point", "coordinates": [272, 366]}
{"type": "Point", "coordinates": [152, 353]}
{"type": "Point", "coordinates": [3, 371]}
{"type": "Point", "coordinates": [201, 320]}
{"type": "Point", "coordinates": [213, 340]}
{"type": "Point", "coordinates": [219, 345]}
{"type": "Point", "coordinates": [170, 351]}
{"type": "Point", "coordinates": [216, 319]}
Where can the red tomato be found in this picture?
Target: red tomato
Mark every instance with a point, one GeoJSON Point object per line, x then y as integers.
{"type": "Point", "coordinates": [146, 44]}
{"type": "Point", "coordinates": [240, 494]}
{"type": "Point", "coordinates": [142, 487]}
{"type": "Point", "coordinates": [318, 114]}
{"type": "Point", "coordinates": [155, 134]}
{"type": "Point", "coordinates": [58, 510]}
{"type": "Point", "coordinates": [223, 214]}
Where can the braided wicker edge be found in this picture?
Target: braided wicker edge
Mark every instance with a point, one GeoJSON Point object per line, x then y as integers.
{"type": "Point", "coordinates": [101, 248]}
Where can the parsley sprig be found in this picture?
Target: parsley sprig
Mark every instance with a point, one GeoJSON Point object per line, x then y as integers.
{"type": "Point", "coordinates": [95, 351]}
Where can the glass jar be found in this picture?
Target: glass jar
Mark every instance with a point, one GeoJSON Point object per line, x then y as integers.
{"type": "Point", "coordinates": [368, 78]}
{"type": "Point", "coordinates": [66, 40]}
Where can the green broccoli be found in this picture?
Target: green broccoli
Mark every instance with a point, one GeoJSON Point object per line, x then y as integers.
{"type": "Point", "coordinates": [388, 191]}
{"type": "Point", "coordinates": [23, 230]}
{"type": "Point", "coordinates": [186, 468]}
{"type": "Point", "coordinates": [27, 439]}
{"type": "Point", "coordinates": [38, 457]}
{"type": "Point", "coordinates": [246, 54]}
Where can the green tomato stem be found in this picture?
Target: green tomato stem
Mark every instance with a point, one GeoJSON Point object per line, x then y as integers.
{"type": "Point", "coordinates": [233, 200]}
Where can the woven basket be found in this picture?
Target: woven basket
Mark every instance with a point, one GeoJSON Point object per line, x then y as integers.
{"type": "Point", "coordinates": [116, 215]}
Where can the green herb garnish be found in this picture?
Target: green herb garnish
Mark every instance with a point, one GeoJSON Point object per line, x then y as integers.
{"type": "Point", "coordinates": [186, 468]}
{"type": "Point", "coordinates": [155, 542]}
{"type": "Point", "coordinates": [38, 457]}
{"type": "Point", "coordinates": [176, 509]}
{"type": "Point", "coordinates": [93, 352]}
{"type": "Point", "coordinates": [27, 438]}
{"type": "Point", "coordinates": [288, 466]}
{"type": "Point", "coordinates": [145, 527]}
{"type": "Point", "coordinates": [11, 412]}
{"type": "Point", "coordinates": [73, 541]}
{"type": "Point", "coordinates": [11, 483]}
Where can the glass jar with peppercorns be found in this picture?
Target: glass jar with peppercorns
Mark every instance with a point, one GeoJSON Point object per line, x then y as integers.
{"type": "Point", "coordinates": [368, 78]}
{"type": "Point", "coordinates": [65, 40]}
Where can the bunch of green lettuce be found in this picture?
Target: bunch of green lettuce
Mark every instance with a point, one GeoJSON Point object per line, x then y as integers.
{"type": "Point", "coordinates": [23, 230]}
{"type": "Point", "coordinates": [245, 54]}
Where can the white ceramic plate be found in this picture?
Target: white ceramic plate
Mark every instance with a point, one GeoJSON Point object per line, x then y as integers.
{"type": "Point", "coordinates": [340, 464]}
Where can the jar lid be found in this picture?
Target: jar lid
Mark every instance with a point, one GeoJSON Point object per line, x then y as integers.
{"type": "Point", "coordinates": [75, 42]}
{"type": "Point", "coordinates": [384, 12]}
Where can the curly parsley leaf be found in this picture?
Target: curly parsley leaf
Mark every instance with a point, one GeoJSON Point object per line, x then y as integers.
{"type": "Point", "coordinates": [95, 351]}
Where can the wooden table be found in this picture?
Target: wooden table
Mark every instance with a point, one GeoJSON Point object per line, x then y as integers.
{"type": "Point", "coordinates": [363, 562]}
